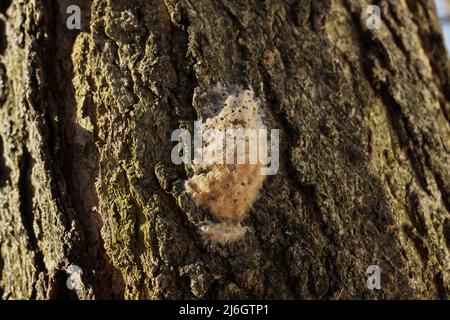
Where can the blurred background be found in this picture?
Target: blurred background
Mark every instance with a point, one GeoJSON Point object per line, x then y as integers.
{"type": "Point", "coordinates": [443, 8]}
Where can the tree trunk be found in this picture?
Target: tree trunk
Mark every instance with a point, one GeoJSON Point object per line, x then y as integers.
{"type": "Point", "coordinates": [86, 177]}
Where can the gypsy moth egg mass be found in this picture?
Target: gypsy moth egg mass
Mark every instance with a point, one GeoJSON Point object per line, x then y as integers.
{"type": "Point", "coordinates": [228, 188]}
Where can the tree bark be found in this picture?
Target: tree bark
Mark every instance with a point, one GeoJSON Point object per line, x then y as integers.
{"type": "Point", "coordinates": [86, 177]}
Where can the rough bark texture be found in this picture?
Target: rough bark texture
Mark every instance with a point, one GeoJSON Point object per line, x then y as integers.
{"type": "Point", "coordinates": [85, 170]}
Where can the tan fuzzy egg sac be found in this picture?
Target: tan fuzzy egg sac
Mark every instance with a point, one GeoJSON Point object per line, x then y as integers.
{"type": "Point", "coordinates": [228, 190]}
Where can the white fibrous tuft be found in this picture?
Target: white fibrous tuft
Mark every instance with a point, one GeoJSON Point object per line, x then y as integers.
{"type": "Point", "coordinates": [227, 189]}
{"type": "Point", "coordinates": [223, 232]}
